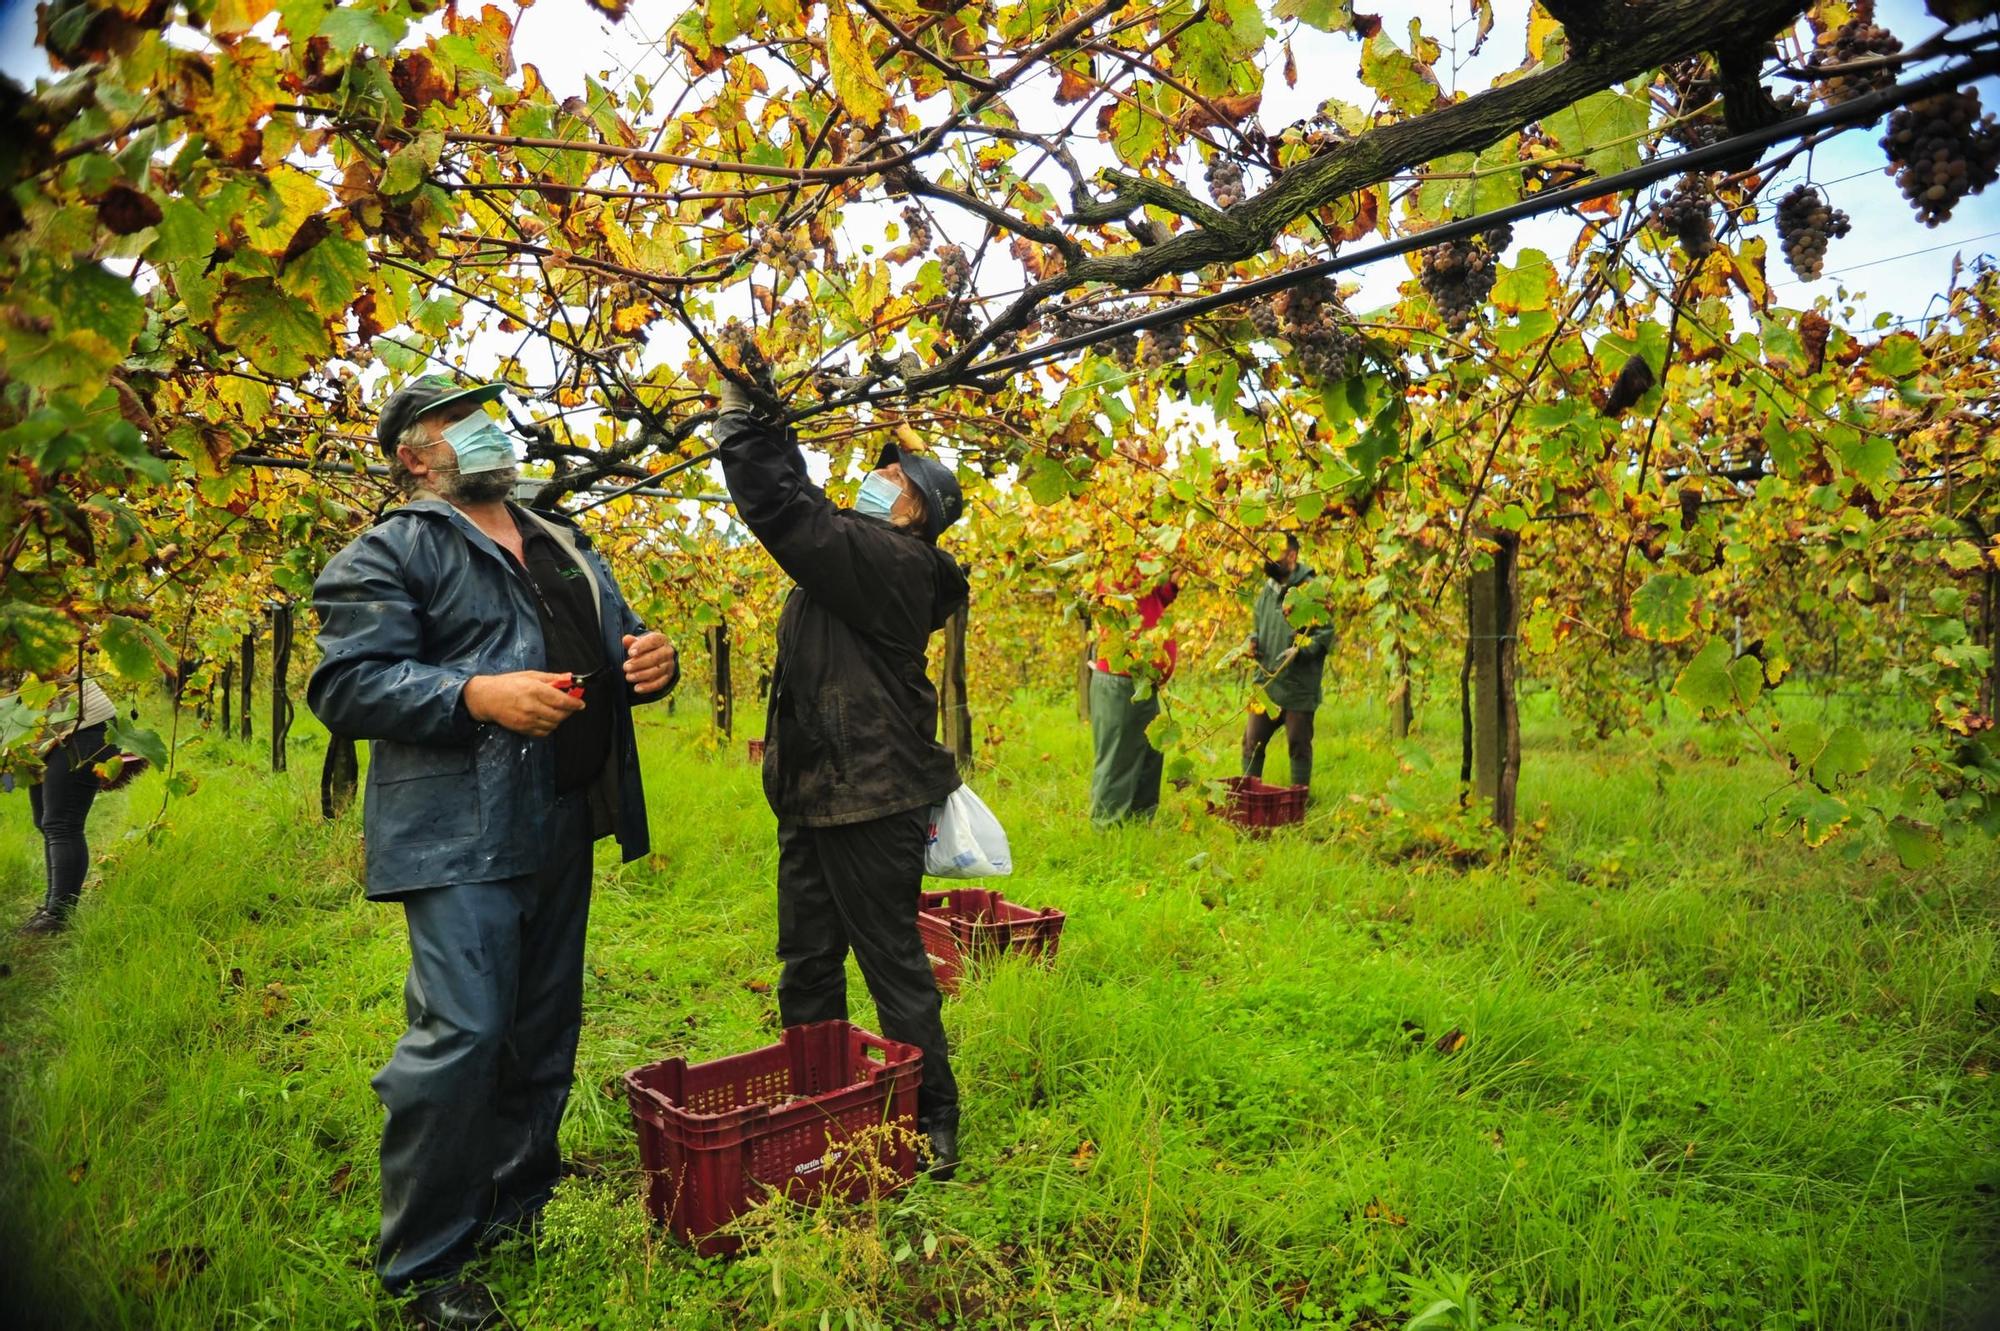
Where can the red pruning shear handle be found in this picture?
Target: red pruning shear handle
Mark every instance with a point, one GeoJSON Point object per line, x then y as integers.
{"type": "Point", "coordinates": [573, 684]}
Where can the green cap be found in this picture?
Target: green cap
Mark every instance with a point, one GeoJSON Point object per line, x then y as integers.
{"type": "Point", "coordinates": [421, 397]}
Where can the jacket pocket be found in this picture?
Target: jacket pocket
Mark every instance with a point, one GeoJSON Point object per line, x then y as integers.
{"type": "Point", "coordinates": [423, 792]}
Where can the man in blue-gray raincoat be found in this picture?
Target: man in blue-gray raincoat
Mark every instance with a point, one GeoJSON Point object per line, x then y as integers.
{"type": "Point", "coordinates": [488, 655]}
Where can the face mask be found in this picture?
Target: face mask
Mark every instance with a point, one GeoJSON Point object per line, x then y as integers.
{"type": "Point", "coordinates": [479, 444]}
{"type": "Point", "coordinates": [878, 496]}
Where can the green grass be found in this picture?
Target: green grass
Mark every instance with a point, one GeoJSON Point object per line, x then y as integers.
{"type": "Point", "coordinates": [1708, 1078]}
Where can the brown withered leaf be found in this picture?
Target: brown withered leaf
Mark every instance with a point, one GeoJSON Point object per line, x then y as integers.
{"type": "Point", "coordinates": [418, 82]}
{"type": "Point", "coordinates": [341, 1179]}
{"type": "Point", "coordinates": [1450, 1042]}
{"type": "Point", "coordinates": [124, 210]}
{"type": "Point", "coordinates": [758, 986]}
{"type": "Point", "coordinates": [310, 233]}
{"type": "Point", "coordinates": [1074, 86]}
{"type": "Point", "coordinates": [1222, 111]}
{"type": "Point", "coordinates": [1084, 1155]}
{"type": "Point", "coordinates": [1631, 385]}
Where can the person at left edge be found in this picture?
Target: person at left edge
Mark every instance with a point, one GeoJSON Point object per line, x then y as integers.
{"type": "Point", "coordinates": [446, 633]}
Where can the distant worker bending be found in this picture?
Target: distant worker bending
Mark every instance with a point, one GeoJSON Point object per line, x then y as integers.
{"type": "Point", "coordinates": [1290, 663]}
{"type": "Point", "coordinates": [1125, 768]}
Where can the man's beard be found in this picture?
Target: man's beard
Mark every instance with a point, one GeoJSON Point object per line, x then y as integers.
{"type": "Point", "coordinates": [478, 487]}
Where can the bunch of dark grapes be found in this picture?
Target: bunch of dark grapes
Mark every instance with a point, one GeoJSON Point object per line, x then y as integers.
{"type": "Point", "coordinates": [960, 326]}
{"type": "Point", "coordinates": [1942, 149]}
{"type": "Point", "coordinates": [1458, 275]}
{"type": "Point", "coordinates": [919, 227]}
{"type": "Point", "coordinates": [1695, 86]}
{"type": "Point", "coordinates": [957, 269]}
{"type": "Point", "coordinates": [1324, 342]}
{"type": "Point", "coordinates": [1806, 222]}
{"type": "Point", "coordinates": [1123, 348]}
{"type": "Point", "coordinates": [1162, 346]}
{"type": "Point", "coordinates": [1263, 315]}
{"type": "Point", "coordinates": [1225, 182]}
{"type": "Point", "coordinates": [1684, 215]}
{"type": "Point", "coordinates": [1860, 38]}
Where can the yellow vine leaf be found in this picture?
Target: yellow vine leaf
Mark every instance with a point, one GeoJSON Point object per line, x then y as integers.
{"type": "Point", "coordinates": [855, 81]}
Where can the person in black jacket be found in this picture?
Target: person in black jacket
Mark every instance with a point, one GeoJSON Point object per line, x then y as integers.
{"type": "Point", "coordinates": [852, 765]}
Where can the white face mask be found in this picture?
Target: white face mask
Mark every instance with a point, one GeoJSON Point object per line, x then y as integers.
{"type": "Point", "coordinates": [878, 496]}
{"type": "Point", "coordinates": [479, 444]}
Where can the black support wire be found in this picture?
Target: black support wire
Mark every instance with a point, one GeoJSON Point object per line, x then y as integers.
{"type": "Point", "coordinates": [1855, 111]}
{"type": "Point", "coordinates": [377, 469]}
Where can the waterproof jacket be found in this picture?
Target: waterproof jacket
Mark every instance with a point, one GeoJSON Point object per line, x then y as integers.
{"type": "Point", "coordinates": [1292, 685]}
{"type": "Point", "coordinates": [850, 730]}
{"type": "Point", "coordinates": [409, 612]}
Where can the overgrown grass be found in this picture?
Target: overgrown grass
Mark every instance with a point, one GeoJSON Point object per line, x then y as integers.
{"type": "Point", "coordinates": [1697, 1076]}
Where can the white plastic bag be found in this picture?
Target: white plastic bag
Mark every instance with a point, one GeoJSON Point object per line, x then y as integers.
{"type": "Point", "coordinates": [966, 840]}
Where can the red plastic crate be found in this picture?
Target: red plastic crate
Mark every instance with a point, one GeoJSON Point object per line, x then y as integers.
{"type": "Point", "coordinates": [960, 921]}
{"type": "Point", "coordinates": [756, 750]}
{"type": "Point", "coordinates": [716, 1137]}
{"type": "Point", "coordinates": [1259, 804]}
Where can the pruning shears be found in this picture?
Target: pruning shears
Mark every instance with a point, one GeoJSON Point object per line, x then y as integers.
{"type": "Point", "coordinates": [572, 684]}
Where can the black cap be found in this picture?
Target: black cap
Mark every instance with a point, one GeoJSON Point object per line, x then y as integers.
{"type": "Point", "coordinates": [943, 501]}
{"type": "Point", "coordinates": [419, 398]}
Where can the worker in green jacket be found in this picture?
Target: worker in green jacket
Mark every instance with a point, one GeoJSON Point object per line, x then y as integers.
{"type": "Point", "coordinates": [1289, 665]}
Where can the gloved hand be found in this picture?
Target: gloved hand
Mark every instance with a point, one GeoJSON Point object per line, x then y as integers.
{"type": "Point", "coordinates": [734, 397]}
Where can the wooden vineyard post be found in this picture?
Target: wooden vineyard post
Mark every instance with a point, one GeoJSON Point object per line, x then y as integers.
{"type": "Point", "coordinates": [723, 698]}
{"type": "Point", "coordinates": [1492, 620]}
{"type": "Point", "coordinates": [228, 687]}
{"type": "Point", "coordinates": [281, 660]}
{"type": "Point", "coordinates": [954, 715]}
{"type": "Point", "coordinates": [338, 776]}
{"type": "Point", "coordinates": [1401, 704]}
{"type": "Point", "coordinates": [249, 673]}
{"type": "Point", "coordinates": [1083, 674]}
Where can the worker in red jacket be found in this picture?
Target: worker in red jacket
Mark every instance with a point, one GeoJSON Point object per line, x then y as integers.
{"type": "Point", "coordinates": [1125, 769]}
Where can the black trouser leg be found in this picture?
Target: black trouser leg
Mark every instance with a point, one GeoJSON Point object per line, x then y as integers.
{"type": "Point", "coordinates": [474, 1090]}
{"type": "Point", "coordinates": [61, 802]}
{"type": "Point", "coordinates": [1257, 732]}
{"type": "Point", "coordinates": [1299, 741]}
{"type": "Point", "coordinates": [870, 874]}
{"type": "Point", "coordinates": [812, 941]}
{"type": "Point", "coordinates": [538, 1063]}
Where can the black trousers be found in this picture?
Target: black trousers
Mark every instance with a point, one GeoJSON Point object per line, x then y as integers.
{"type": "Point", "coordinates": [857, 886]}
{"type": "Point", "coordinates": [61, 803]}
{"type": "Point", "coordinates": [477, 1085]}
{"type": "Point", "coordinates": [1298, 741]}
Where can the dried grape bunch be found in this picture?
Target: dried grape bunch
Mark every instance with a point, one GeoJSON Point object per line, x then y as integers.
{"type": "Point", "coordinates": [739, 348]}
{"type": "Point", "coordinates": [919, 227]}
{"type": "Point", "coordinates": [785, 251]}
{"type": "Point", "coordinates": [960, 326]}
{"type": "Point", "coordinates": [1814, 329]}
{"type": "Point", "coordinates": [1123, 348]}
{"type": "Point", "coordinates": [1310, 316]}
{"type": "Point", "coordinates": [1858, 39]}
{"type": "Point", "coordinates": [1458, 275]}
{"type": "Point", "coordinates": [1684, 215]}
{"type": "Point", "coordinates": [1942, 149]}
{"type": "Point", "coordinates": [1806, 222]}
{"type": "Point", "coordinates": [1225, 182]}
{"type": "Point", "coordinates": [1162, 346]}
{"type": "Point", "coordinates": [956, 268]}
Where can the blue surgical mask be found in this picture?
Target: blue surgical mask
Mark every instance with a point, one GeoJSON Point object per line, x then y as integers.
{"type": "Point", "coordinates": [479, 444]}
{"type": "Point", "coordinates": [878, 496]}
